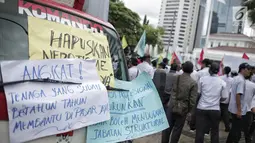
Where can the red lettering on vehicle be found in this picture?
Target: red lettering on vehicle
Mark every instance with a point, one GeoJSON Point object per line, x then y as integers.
{"type": "Point", "coordinates": [49, 11]}
{"type": "Point", "coordinates": [42, 12]}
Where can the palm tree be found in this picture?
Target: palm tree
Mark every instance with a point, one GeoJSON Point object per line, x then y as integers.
{"type": "Point", "coordinates": [251, 9]}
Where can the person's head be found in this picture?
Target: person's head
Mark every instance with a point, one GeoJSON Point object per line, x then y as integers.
{"type": "Point", "coordinates": [244, 69]}
{"type": "Point", "coordinates": [214, 68]}
{"type": "Point", "coordinates": [133, 62]}
{"type": "Point", "coordinates": [234, 73]}
{"type": "Point", "coordinates": [165, 61]}
{"type": "Point", "coordinates": [226, 70]}
{"type": "Point", "coordinates": [154, 63]}
{"type": "Point", "coordinates": [147, 58]}
{"type": "Point", "coordinates": [162, 65]}
{"type": "Point", "coordinates": [174, 67]}
{"type": "Point", "coordinates": [187, 67]}
{"type": "Point", "coordinates": [206, 63]}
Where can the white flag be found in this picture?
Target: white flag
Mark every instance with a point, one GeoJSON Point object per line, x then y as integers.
{"type": "Point", "coordinates": [222, 1]}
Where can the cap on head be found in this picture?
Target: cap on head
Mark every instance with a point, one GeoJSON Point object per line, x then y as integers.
{"type": "Point", "coordinates": [244, 66]}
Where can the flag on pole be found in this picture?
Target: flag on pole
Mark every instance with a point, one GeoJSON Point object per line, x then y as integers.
{"type": "Point", "coordinates": [201, 57]}
{"type": "Point", "coordinates": [245, 56]}
{"type": "Point", "coordinates": [139, 49]}
{"type": "Point", "coordinates": [175, 59]}
{"type": "Point", "coordinates": [169, 57]}
{"type": "Point", "coordinates": [179, 57]}
{"type": "Point", "coordinates": [124, 42]}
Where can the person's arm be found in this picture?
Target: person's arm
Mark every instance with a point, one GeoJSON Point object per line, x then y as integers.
{"type": "Point", "coordinates": [238, 105]}
{"type": "Point", "coordinates": [193, 96]}
{"type": "Point", "coordinates": [253, 102]}
{"type": "Point", "coordinates": [224, 91]}
{"type": "Point", "coordinates": [240, 91]}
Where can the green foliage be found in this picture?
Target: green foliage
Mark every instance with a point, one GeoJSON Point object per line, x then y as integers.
{"type": "Point", "coordinates": [251, 9]}
{"type": "Point", "coordinates": [153, 35]}
{"type": "Point", "coordinates": [127, 23]}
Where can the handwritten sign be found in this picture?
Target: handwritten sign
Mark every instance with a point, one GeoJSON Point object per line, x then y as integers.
{"type": "Point", "coordinates": [134, 114]}
{"type": "Point", "coordinates": [58, 41]}
{"type": "Point", "coordinates": [38, 109]}
{"type": "Point", "coordinates": [71, 70]}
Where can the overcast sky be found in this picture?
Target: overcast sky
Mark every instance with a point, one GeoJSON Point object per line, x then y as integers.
{"type": "Point", "coordinates": [151, 8]}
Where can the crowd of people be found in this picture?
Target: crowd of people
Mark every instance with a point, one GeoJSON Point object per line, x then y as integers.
{"type": "Point", "coordinates": [202, 96]}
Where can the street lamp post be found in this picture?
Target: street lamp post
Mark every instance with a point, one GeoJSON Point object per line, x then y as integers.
{"type": "Point", "coordinates": [171, 33]}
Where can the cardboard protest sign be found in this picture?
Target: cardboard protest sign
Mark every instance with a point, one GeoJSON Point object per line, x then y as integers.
{"type": "Point", "coordinates": [50, 40]}
{"type": "Point", "coordinates": [134, 113]}
{"type": "Point", "coordinates": [38, 109]}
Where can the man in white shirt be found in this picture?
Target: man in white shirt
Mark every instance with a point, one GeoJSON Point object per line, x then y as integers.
{"type": "Point", "coordinates": [212, 90]}
{"type": "Point", "coordinates": [247, 119]}
{"type": "Point", "coordinates": [133, 70]}
{"type": "Point", "coordinates": [206, 63]}
{"type": "Point", "coordinates": [237, 106]}
{"type": "Point", "coordinates": [204, 72]}
{"type": "Point", "coordinates": [224, 104]}
{"type": "Point", "coordinates": [145, 66]}
{"type": "Point", "coordinates": [193, 75]}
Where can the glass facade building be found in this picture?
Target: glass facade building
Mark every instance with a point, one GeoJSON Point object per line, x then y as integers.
{"type": "Point", "coordinates": [222, 17]}
{"type": "Point", "coordinates": [215, 16]}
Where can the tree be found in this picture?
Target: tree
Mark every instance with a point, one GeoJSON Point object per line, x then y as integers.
{"type": "Point", "coordinates": [125, 21]}
{"type": "Point", "coordinates": [251, 9]}
{"type": "Point", "coordinates": [153, 35]}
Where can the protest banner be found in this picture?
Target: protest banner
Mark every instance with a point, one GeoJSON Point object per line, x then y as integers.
{"type": "Point", "coordinates": [39, 109]}
{"type": "Point", "coordinates": [134, 113]}
{"type": "Point", "coordinates": [233, 62]}
{"type": "Point", "coordinates": [57, 41]}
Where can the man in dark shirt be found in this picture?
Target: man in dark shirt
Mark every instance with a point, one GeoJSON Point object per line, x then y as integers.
{"type": "Point", "coordinates": [183, 98]}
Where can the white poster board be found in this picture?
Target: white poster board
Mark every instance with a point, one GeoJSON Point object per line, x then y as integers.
{"type": "Point", "coordinates": [38, 109]}
{"type": "Point", "coordinates": [234, 62]}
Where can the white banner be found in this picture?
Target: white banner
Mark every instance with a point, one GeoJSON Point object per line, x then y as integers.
{"type": "Point", "coordinates": [38, 109]}
{"type": "Point", "coordinates": [234, 62]}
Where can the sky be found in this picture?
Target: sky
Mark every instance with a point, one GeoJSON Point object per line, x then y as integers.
{"type": "Point", "coordinates": [151, 8]}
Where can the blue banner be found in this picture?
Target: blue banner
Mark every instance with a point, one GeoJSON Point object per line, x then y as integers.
{"type": "Point", "coordinates": [135, 113]}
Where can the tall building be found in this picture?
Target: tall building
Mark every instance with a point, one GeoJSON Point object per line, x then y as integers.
{"type": "Point", "coordinates": [223, 12]}
{"type": "Point", "coordinates": [179, 19]}
{"type": "Point", "coordinates": [216, 16]}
